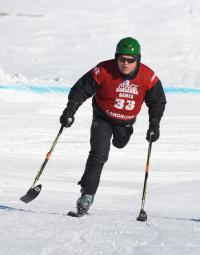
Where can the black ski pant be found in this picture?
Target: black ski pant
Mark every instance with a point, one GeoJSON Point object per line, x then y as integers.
{"type": "Point", "coordinates": [101, 134]}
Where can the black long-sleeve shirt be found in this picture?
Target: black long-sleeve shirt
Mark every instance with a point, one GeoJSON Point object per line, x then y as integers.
{"type": "Point", "coordinates": [119, 98]}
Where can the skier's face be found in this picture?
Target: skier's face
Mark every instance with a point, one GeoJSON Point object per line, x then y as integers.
{"type": "Point", "coordinates": [126, 64]}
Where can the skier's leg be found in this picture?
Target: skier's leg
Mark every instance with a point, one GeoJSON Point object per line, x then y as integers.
{"type": "Point", "coordinates": [121, 135]}
{"type": "Point", "coordinates": [101, 132]}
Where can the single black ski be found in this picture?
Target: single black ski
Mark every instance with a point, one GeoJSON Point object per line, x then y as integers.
{"type": "Point", "coordinates": [78, 214]}
{"type": "Point", "coordinates": [73, 214]}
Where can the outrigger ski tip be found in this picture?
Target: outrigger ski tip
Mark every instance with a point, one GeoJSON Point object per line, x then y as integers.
{"type": "Point", "coordinates": [142, 216]}
{"type": "Point", "coordinates": [34, 191]}
{"type": "Point", "coordinates": [31, 194]}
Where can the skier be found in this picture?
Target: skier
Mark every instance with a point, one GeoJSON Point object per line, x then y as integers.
{"type": "Point", "coordinates": [119, 87]}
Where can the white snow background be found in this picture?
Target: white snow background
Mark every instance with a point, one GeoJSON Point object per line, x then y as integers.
{"type": "Point", "coordinates": [45, 46]}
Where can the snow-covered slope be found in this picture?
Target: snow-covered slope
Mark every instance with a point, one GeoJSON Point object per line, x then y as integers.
{"type": "Point", "coordinates": [52, 43]}
{"type": "Point", "coordinates": [48, 39]}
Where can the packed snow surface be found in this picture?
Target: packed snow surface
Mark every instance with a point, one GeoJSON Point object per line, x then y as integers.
{"type": "Point", "coordinates": [50, 44]}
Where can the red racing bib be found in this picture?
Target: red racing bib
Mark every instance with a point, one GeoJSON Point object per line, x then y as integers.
{"type": "Point", "coordinates": [119, 98]}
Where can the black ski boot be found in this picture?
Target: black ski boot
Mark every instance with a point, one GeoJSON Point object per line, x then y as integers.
{"type": "Point", "coordinates": [83, 203]}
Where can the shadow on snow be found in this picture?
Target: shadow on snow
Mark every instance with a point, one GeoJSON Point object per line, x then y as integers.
{"type": "Point", "coordinates": [10, 209]}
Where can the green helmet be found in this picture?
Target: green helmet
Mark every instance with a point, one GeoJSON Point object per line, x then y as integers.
{"type": "Point", "coordinates": [128, 46]}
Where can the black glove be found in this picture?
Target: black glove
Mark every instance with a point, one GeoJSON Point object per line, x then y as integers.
{"type": "Point", "coordinates": [67, 118]}
{"type": "Point", "coordinates": [153, 132]}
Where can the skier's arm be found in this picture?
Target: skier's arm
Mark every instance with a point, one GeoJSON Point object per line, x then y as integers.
{"type": "Point", "coordinates": [84, 88]}
{"type": "Point", "coordinates": [155, 100]}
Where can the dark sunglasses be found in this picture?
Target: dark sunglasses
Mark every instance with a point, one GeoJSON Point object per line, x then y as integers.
{"type": "Point", "coordinates": [128, 60]}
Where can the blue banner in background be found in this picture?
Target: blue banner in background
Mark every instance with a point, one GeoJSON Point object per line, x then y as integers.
{"type": "Point", "coordinates": [42, 89]}
{"type": "Point", "coordinates": [39, 89]}
{"type": "Point", "coordinates": [181, 90]}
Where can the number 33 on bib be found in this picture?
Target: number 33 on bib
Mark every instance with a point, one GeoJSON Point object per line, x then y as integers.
{"type": "Point", "coordinates": [124, 104]}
